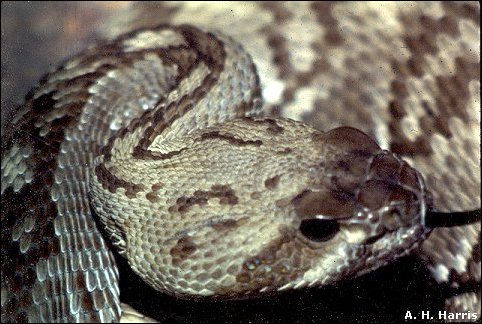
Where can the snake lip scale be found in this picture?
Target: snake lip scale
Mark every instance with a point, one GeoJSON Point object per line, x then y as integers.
{"type": "Point", "coordinates": [217, 170]}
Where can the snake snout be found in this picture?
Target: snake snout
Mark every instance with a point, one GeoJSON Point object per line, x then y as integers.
{"type": "Point", "coordinates": [393, 193]}
{"type": "Point", "coordinates": [365, 186]}
{"type": "Point", "coordinates": [370, 193]}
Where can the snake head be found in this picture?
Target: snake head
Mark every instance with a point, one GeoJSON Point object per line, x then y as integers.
{"type": "Point", "coordinates": [371, 208]}
{"type": "Point", "coordinates": [259, 205]}
{"type": "Point", "coordinates": [362, 207]}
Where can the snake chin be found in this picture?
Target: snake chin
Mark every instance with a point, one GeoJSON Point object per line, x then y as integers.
{"type": "Point", "coordinates": [391, 246]}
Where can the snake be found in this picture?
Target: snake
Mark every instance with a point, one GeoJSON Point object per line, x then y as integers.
{"type": "Point", "coordinates": [236, 150]}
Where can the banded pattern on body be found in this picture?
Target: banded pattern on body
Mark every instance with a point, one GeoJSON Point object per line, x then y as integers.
{"type": "Point", "coordinates": [159, 89]}
{"type": "Point", "coordinates": [57, 265]}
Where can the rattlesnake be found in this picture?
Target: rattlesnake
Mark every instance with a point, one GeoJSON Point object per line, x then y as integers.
{"type": "Point", "coordinates": [209, 203]}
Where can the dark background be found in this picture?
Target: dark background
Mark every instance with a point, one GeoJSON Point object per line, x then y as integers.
{"type": "Point", "coordinates": [382, 296]}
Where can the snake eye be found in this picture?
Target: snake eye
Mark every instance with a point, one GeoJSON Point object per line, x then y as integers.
{"type": "Point", "coordinates": [319, 230]}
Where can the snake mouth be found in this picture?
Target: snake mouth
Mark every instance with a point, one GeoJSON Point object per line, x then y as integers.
{"type": "Point", "coordinates": [378, 251]}
{"type": "Point", "coordinates": [400, 242]}
{"type": "Point", "coordinates": [373, 239]}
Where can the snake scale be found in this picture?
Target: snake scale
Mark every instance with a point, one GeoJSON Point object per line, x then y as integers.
{"type": "Point", "coordinates": [214, 147]}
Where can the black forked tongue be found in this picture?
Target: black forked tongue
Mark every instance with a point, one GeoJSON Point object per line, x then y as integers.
{"type": "Point", "coordinates": [450, 219]}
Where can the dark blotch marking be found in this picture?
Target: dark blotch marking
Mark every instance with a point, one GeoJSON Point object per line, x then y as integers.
{"type": "Point", "coordinates": [255, 195]}
{"type": "Point", "coordinates": [157, 186]}
{"type": "Point", "coordinates": [465, 10]}
{"type": "Point", "coordinates": [182, 250]}
{"type": "Point", "coordinates": [152, 197]}
{"type": "Point", "coordinates": [112, 183]}
{"type": "Point", "coordinates": [203, 47]}
{"type": "Point", "coordinates": [225, 194]}
{"type": "Point", "coordinates": [224, 225]}
{"type": "Point", "coordinates": [229, 138]}
{"type": "Point", "coordinates": [184, 203]}
{"type": "Point", "coordinates": [141, 153]}
{"type": "Point", "coordinates": [283, 260]}
{"type": "Point", "coordinates": [273, 126]}
{"type": "Point", "coordinates": [323, 11]}
{"type": "Point", "coordinates": [280, 13]}
{"type": "Point", "coordinates": [322, 45]}
{"type": "Point", "coordinates": [281, 55]}
{"type": "Point", "coordinates": [451, 91]}
{"type": "Point", "coordinates": [285, 151]}
{"type": "Point", "coordinates": [272, 183]}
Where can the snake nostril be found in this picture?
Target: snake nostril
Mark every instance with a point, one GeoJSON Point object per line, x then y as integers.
{"type": "Point", "coordinates": [319, 230]}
